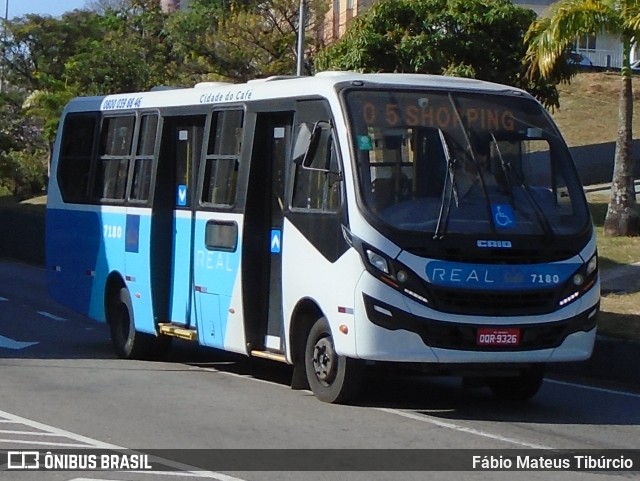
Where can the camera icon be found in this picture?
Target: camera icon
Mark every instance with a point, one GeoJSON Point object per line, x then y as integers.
{"type": "Point", "coordinates": [20, 460]}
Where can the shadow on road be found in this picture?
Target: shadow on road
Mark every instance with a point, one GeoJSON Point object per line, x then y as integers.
{"type": "Point", "coordinates": [443, 398]}
{"type": "Point", "coordinates": [557, 402]}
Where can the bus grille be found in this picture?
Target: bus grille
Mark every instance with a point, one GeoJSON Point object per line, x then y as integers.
{"type": "Point", "coordinates": [463, 336]}
{"type": "Point", "coordinates": [486, 303]}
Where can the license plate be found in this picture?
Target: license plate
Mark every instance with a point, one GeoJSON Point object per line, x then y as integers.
{"type": "Point", "coordinates": [491, 336]}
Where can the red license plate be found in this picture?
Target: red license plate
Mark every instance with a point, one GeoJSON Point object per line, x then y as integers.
{"type": "Point", "coordinates": [492, 336]}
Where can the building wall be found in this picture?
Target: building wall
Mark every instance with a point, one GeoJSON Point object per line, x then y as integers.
{"type": "Point", "coordinates": [169, 6]}
{"type": "Point", "coordinates": [339, 16]}
{"type": "Point", "coordinates": [608, 49]}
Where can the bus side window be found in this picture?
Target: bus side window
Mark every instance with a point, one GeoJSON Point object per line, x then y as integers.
{"type": "Point", "coordinates": [78, 134]}
{"type": "Point", "coordinates": [115, 152]}
{"type": "Point", "coordinates": [223, 154]}
{"type": "Point", "coordinates": [143, 161]}
{"type": "Point", "coordinates": [317, 186]}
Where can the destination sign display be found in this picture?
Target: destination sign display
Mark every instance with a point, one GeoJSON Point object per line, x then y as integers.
{"type": "Point", "coordinates": [422, 113]}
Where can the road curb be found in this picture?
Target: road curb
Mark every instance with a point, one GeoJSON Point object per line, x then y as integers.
{"type": "Point", "coordinates": [607, 186]}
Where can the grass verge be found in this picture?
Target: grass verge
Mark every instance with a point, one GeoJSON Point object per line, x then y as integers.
{"type": "Point", "coordinates": [619, 312]}
{"type": "Point", "coordinates": [619, 316]}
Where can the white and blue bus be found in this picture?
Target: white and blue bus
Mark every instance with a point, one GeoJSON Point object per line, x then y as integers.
{"type": "Point", "coordinates": [329, 222]}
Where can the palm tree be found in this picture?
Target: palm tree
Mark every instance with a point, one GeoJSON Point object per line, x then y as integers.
{"type": "Point", "coordinates": [548, 39]}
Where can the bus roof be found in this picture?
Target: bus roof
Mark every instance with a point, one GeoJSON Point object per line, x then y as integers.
{"type": "Point", "coordinates": [323, 83]}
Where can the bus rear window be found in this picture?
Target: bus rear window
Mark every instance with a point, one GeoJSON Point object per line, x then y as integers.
{"type": "Point", "coordinates": [75, 156]}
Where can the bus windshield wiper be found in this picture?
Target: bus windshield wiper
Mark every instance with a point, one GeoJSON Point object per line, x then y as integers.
{"type": "Point", "coordinates": [510, 176]}
{"type": "Point", "coordinates": [463, 129]}
{"type": "Point", "coordinates": [449, 190]}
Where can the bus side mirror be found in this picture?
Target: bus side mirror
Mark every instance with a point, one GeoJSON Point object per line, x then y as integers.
{"type": "Point", "coordinates": [307, 142]}
{"type": "Point", "coordinates": [302, 143]}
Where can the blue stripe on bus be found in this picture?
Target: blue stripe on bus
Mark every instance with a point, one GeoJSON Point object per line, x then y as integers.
{"type": "Point", "coordinates": [70, 256]}
{"type": "Point", "coordinates": [78, 267]}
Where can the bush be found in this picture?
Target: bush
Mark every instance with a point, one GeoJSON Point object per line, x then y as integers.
{"type": "Point", "coordinates": [23, 174]}
{"type": "Point", "coordinates": [23, 231]}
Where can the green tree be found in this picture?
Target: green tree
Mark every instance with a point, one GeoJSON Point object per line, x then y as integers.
{"type": "Point", "coordinates": [47, 61]}
{"type": "Point", "coordinates": [131, 54]}
{"type": "Point", "coordinates": [36, 47]}
{"type": "Point", "coordinates": [472, 38]}
{"type": "Point", "coordinates": [550, 36]}
{"type": "Point", "coordinates": [36, 51]}
{"type": "Point", "coordinates": [23, 173]}
{"type": "Point", "coordinates": [193, 34]}
{"type": "Point", "coordinates": [16, 129]}
{"type": "Point", "coordinates": [44, 107]}
{"type": "Point", "coordinates": [241, 40]}
{"type": "Point", "coordinates": [102, 6]}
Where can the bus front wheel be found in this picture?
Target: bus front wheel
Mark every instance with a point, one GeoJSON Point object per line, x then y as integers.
{"type": "Point", "coordinates": [518, 388]}
{"type": "Point", "coordinates": [332, 378]}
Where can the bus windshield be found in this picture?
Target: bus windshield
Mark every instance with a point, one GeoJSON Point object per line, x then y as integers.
{"type": "Point", "coordinates": [442, 162]}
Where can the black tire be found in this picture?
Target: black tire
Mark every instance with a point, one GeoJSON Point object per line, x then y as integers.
{"type": "Point", "coordinates": [518, 388]}
{"type": "Point", "coordinates": [332, 378]}
{"type": "Point", "coordinates": [127, 342]}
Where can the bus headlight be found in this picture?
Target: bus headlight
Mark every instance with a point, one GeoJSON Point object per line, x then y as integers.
{"type": "Point", "coordinates": [592, 265]}
{"type": "Point", "coordinates": [393, 273]}
{"type": "Point", "coordinates": [583, 280]}
{"type": "Point", "coordinates": [377, 261]}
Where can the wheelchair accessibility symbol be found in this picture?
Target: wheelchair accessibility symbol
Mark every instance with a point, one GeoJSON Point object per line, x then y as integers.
{"type": "Point", "coordinates": [503, 216]}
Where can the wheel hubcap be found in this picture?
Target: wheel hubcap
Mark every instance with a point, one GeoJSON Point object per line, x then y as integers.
{"type": "Point", "coordinates": [324, 361]}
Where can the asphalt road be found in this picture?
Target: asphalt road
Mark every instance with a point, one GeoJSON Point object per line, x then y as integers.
{"type": "Point", "coordinates": [61, 387]}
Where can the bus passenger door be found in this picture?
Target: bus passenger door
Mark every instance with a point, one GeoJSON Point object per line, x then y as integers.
{"type": "Point", "coordinates": [172, 221]}
{"type": "Point", "coordinates": [218, 223]}
{"type": "Point", "coordinates": [263, 239]}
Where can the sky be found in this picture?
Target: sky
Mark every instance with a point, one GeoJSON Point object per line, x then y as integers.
{"type": "Point", "coordinates": [18, 8]}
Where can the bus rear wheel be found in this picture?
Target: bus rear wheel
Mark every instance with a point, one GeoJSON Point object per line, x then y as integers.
{"type": "Point", "coordinates": [332, 378]}
{"type": "Point", "coordinates": [127, 342]}
{"type": "Point", "coordinates": [518, 388]}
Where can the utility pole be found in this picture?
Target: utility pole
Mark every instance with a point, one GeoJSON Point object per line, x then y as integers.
{"type": "Point", "coordinates": [4, 40]}
{"type": "Point", "coordinates": [301, 28]}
